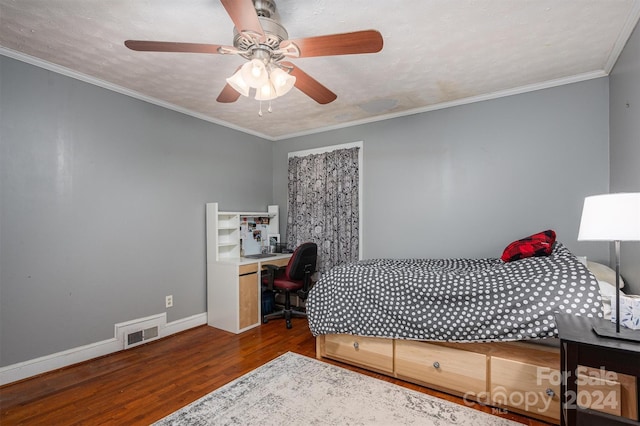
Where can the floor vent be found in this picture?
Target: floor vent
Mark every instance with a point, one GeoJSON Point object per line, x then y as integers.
{"type": "Point", "coordinates": [137, 332]}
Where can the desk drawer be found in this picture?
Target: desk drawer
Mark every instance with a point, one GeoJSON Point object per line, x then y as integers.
{"type": "Point", "coordinates": [248, 269]}
{"type": "Point", "coordinates": [442, 367]}
{"type": "Point", "coordinates": [277, 262]}
{"type": "Point", "coordinates": [368, 352]}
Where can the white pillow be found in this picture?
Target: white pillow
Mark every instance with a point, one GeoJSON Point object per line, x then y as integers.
{"type": "Point", "coordinates": [607, 294]}
{"type": "Point", "coordinates": [603, 273]}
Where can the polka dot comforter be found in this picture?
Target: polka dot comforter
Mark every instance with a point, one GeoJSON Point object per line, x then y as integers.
{"type": "Point", "coordinates": [461, 300]}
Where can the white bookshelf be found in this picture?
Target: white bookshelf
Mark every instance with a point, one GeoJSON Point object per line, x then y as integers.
{"type": "Point", "coordinates": [223, 230]}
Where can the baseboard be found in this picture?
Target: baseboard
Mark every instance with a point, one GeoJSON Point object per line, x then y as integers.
{"type": "Point", "coordinates": [33, 367]}
{"type": "Point", "coordinates": [184, 324]}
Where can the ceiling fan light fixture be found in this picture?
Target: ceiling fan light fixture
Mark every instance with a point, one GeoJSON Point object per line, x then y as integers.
{"type": "Point", "coordinates": [282, 81]}
{"type": "Point", "coordinates": [255, 73]}
{"type": "Point", "coordinates": [266, 92]}
{"type": "Point", "coordinates": [237, 82]}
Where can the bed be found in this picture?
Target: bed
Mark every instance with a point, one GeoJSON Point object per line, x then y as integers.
{"type": "Point", "coordinates": [453, 300]}
{"type": "Point", "coordinates": [470, 327]}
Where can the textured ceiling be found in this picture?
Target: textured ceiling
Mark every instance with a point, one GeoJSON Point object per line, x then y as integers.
{"type": "Point", "coordinates": [436, 53]}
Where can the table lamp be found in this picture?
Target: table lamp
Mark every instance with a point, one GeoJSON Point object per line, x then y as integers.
{"type": "Point", "coordinates": [612, 217]}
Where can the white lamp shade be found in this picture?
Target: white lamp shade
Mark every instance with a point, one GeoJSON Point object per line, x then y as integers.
{"type": "Point", "coordinates": [611, 217]}
{"type": "Point", "coordinates": [255, 73]}
{"type": "Point", "coordinates": [266, 92]}
{"type": "Point", "coordinates": [282, 81]}
{"type": "Point", "coordinates": [237, 82]}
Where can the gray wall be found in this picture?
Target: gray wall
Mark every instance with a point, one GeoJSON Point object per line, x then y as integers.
{"type": "Point", "coordinates": [624, 121]}
{"type": "Point", "coordinates": [102, 208]}
{"type": "Point", "coordinates": [102, 196]}
{"type": "Point", "coordinates": [466, 181]}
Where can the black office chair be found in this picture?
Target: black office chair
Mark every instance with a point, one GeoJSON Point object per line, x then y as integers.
{"type": "Point", "coordinates": [296, 276]}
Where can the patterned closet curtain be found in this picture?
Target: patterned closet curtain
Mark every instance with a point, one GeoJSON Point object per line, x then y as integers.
{"type": "Point", "coordinates": [323, 205]}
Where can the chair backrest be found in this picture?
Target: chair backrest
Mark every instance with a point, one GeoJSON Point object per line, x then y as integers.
{"type": "Point", "coordinates": [305, 255]}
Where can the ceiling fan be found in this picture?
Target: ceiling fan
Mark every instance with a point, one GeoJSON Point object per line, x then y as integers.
{"type": "Point", "coordinates": [264, 42]}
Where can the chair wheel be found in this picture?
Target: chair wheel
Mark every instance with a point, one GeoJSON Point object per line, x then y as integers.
{"type": "Point", "coordinates": [288, 324]}
{"type": "Point", "coordinates": [265, 320]}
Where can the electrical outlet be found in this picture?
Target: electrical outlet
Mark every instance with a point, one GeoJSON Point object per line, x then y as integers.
{"type": "Point", "coordinates": [168, 301]}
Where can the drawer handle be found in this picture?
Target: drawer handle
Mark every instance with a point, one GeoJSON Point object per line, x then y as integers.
{"type": "Point", "coordinates": [550, 392]}
{"type": "Point", "coordinates": [356, 346]}
{"type": "Point", "coordinates": [436, 364]}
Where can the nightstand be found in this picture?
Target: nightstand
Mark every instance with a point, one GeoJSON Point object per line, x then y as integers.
{"type": "Point", "coordinates": [580, 347]}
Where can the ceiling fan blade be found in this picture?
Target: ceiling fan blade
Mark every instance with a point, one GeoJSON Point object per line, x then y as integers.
{"type": "Point", "coordinates": [310, 86]}
{"type": "Point", "coordinates": [368, 41]}
{"type": "Point", "coordinates": [244, 16]}
{"type": "Point", "coordinates": [171, 46]}
{"type": "Point", "coordinates": [228, 95]}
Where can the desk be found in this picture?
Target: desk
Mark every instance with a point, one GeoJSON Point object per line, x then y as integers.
{"type": "Point", "coordinates": [233, 292]}
{"type": "Point", "coordinates": [579, 345]}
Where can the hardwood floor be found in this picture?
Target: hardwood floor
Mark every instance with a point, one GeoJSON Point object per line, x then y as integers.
{"type": "Point", "coordinates": [141, 385]}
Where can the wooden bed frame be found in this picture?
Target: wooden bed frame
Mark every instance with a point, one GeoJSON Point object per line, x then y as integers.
{"type": "Point", "coordinates": [518, 376]}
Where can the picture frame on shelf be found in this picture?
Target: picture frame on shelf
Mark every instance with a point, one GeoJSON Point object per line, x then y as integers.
{"type": "Point", "coordinates": [273, 239]}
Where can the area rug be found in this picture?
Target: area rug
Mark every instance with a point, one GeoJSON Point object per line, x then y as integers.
{"type": "Point", "coordinates": [295, 389]}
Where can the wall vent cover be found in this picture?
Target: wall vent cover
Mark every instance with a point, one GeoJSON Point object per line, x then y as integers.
{"type": "Point", "coordinates": [143, 330]}
{"type": "Point", "coordinates": [141, 336]}
{"type": "Point", "coordinates": [135, 337]}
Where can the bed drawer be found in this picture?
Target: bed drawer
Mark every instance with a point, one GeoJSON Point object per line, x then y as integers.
{"type": "Point", "coordinates": [607, 391]}
{"type": "Point", "coordinates": [442, 367]}
{"type": "Point", "coordinates": [368, 352]}
{"type": "Point", "coordinates": [525, 387]}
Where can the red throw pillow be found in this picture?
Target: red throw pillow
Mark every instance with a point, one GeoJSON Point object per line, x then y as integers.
{"type": "Point", "coordinates": [539, 244]}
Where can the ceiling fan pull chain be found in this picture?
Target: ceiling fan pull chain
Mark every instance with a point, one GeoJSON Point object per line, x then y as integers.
{"type": "Point", "coordinates": [269, 109]}
{"type": "Point", "coordinates": [260, 110]}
